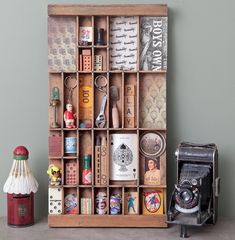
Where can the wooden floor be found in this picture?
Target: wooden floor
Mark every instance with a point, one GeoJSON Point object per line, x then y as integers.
{"type": "Point", "coordinates": [223, 230]}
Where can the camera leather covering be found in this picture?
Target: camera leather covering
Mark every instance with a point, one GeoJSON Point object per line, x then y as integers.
{"type": "Point", "coordinates": [191, 151]}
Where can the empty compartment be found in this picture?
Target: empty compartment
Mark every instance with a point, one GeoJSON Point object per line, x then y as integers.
{"type": "Point", "coordinates": [55, 172]}
{"type": "Point", "coordinates": [56, 100]}
{"type": "Point", "coordinates": [100, 101]}
{"type": "Point", "coordinates": [100, 30]}
{"type": "Point", "coordinates": [85, 100]}
{"type": "Point", "coordinates": [152, 103]}
{"type": "Point", "coordinates": [152, 201]}
{"type": "Point", "coordinates": [70, 201]}
{"type": "Point", "coordinates": [131, 201]}
{"type": "Point", "coordinates": [70, 172]}
{"type": "Point", "coordinates": [123, 43]}
{"type": "Point", "coordinates": [152, 157]}
{"type": "Point", "coordinates": [100, 59]}
{"type": "Point", "coordinates": [70, 100]}
{"type": "Point", "coordinates": [86, 204]}
{"type": "Point", "coordinates": [130, 100]}
{"type": "Point", "coordinates": [101, 164]}
{"type": "Point", "coordinates": [100, 200]}
{"type": "Point", "coordinates": [115, 201]}
{"type": "Point", "coordinates": [85, 32]}
{"type": "Point", "coordinates": [123, 157]}
{"type": "Point", "coordinates": [85, 158]}
{"type": "Point", "coordinates": [115, 100]}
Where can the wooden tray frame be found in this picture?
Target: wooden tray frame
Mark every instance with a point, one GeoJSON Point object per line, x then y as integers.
{"type": "Point", "coordinates": [102, 13]}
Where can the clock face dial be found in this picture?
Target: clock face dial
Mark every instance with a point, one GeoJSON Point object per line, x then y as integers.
{"type": "Point", "coordinates": [152, 144]}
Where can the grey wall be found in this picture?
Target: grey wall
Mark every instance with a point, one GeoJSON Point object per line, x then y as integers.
{"type": "Point", "coordinates": [201, 86]}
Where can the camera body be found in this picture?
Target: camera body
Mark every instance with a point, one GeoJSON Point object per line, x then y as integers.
{"type": "Point", "coordinates": [194, 200]}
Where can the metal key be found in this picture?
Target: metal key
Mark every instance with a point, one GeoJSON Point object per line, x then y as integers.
{"type": "Point", "coordinates": [100, 120]}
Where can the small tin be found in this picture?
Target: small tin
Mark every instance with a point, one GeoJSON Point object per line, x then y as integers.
{"type": "Point", "coordinates": [20, 209]}
{"type": "Point", "coordinates": [70, 145]}
{"type": "Point", "coordinates": [101, 203]}
{"type": "Point", "coordinates": [86, 206]}
{"type": "Point", "coordinates": [70, 204]}
{"type": "Point", "coordinates": [115, 204]}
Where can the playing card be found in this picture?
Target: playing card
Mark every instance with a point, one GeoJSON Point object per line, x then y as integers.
{"type": "Point", "coordinates": [123, 152]}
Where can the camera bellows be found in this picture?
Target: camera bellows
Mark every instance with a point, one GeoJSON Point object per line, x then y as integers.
{"type": "Point", "coordinates": [196, 175]}
{"type": "Point", "coordinates": [194, 179]}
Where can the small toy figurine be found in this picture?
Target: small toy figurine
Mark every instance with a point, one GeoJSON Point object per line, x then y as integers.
{"type": "Point", "coordinates": [69, 116]}
{"type": "Point", "coordinates": [54, 175]}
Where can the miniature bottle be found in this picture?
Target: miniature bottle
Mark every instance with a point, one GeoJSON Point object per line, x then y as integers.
{"type": "Point", "coordinates": [86, 173]}
{"type": "Point", "coordinates": [99, 36]}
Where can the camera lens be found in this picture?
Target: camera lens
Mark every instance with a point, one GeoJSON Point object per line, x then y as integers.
{"type": "Point", "coordinates": [186, 195]}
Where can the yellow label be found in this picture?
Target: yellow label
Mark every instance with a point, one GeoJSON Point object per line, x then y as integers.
{"type": "Point", "coordinates": [152, 201]}
{"type": "Point", "coordinates": [85, 97]}
{"type": "Point", "coordinates": [85, 102]}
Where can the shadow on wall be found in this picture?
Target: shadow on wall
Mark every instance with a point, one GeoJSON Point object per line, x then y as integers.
{"type": "Point", "coordinates": [172, 135]}
{"type": "Point", "coordinates": [41, 197]}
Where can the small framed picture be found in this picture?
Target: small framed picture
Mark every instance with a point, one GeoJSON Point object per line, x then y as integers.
{"type": "Point", "coordinates": [152, 174]}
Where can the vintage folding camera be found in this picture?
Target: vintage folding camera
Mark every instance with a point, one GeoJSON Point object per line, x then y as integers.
{"type": "Point", "coordinates": [194, 200]}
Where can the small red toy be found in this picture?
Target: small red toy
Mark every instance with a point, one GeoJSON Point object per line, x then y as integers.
{"type": "Point", "coordinates": [69, 116]}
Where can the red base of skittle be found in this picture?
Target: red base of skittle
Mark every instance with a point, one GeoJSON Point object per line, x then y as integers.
{"type": "Point", "coordinates": [20, 209]}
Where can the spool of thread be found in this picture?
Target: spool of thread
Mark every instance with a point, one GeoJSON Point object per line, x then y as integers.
{"type": "Point", "coordinates": [70, 145]}
{"type": "Point", "coordinates": [115, 204]}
